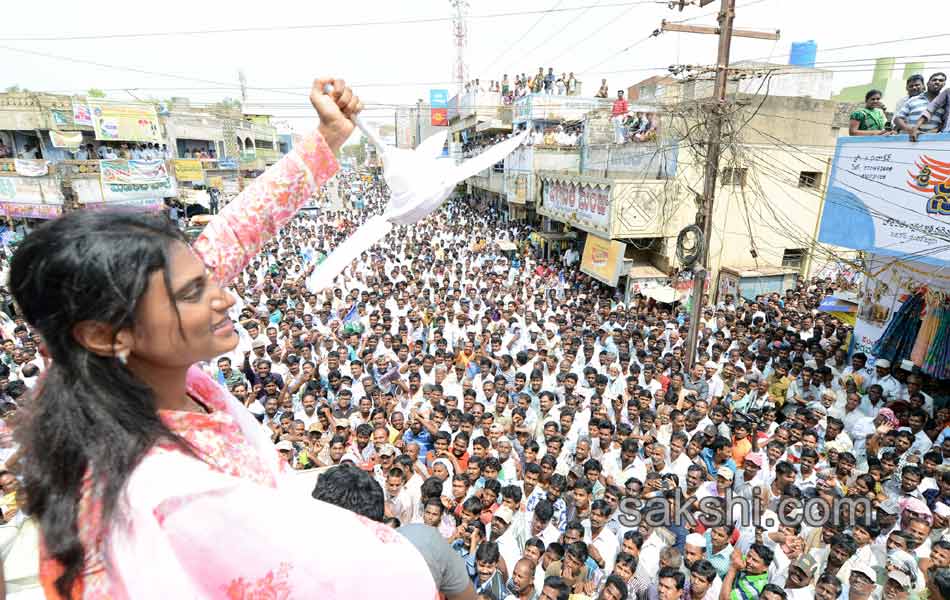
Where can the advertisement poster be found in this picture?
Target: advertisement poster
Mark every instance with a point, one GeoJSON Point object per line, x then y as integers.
{"type": "Point", "coordinates": [602, 259]}
{"type": "Point", "coordinates": [187, 169]}
{"type": "Point", "coordinates": [439, 107]}
{"type": "Point", "coordinates": [125, 122]}
{"type": "Point", "coordinates": [134, 180]}
{"type": "Point", "coordinates": [882, 294]}
{"type": "Point", "coordinates": [81, 114]}
{"type": "Point", "coordinates": [890, 196]}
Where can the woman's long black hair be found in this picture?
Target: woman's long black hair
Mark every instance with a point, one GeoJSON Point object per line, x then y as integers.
{"type": "Point", "coordinates": [91, 415]}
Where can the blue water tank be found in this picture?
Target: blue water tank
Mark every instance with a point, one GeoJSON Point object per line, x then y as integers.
{"type": "Point", "coordinates": [803, 54]}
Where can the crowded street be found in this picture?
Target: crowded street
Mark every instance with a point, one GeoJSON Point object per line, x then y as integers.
{"type": "Point", "coordinates": [546, 333]}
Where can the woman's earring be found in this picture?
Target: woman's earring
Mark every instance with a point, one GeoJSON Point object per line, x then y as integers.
{"type": "Point", "coordinates": [123, 357]}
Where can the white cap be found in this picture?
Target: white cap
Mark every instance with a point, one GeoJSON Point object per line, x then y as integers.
{"type": "Point", "coordinates": [882, 363]}
{"type": "Point", "coordinates": [697, 540]}
{"type": "Point", "coordinates": [284, 445]}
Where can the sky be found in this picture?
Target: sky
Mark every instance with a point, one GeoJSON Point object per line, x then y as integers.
{"type": "Point", "coordinates": [398, 63]}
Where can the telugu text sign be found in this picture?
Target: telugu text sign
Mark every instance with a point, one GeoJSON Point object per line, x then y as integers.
{"type": "Point", "coordinates": [582, 205]}
{"type": "Point", "coordinates": [188, 169]}
{"type": "Point", "coordinates": [125, 122]}
{"type": "Point", "coordinates": [134, 180]}
{"type": "Point", "coordinates": [890, 196]}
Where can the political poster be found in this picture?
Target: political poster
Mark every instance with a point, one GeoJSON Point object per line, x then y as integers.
{"type": "Point", "coordinates": [124, 180]}
{"type": "Point", "coordinates": [125, 122]}
{"type": "Point", "coordinates": [890, 196]}
{"type": "Point", "coordinates": [81, 114]}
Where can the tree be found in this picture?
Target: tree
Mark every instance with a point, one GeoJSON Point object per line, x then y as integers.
{"type": "Point", "coordinates": [227, 105]}
{"type": "Point", "coordinates": [95, 93]}
{"type": "Point", "coordinates": [13, 89]}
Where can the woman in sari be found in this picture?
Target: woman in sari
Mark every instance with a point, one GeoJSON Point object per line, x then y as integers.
{"type": "Point", "coordinates": [871, 119]}
{"type": "Point", "coordinates": [146, 477]}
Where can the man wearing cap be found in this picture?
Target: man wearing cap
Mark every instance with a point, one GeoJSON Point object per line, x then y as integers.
{"type": "Point", "coordinates": [750, 476]}
{"type": "Point", "coordinates": [801, 577]}
{"type": "Point", "coordinates": [861, 584]}
{"type": "Point", "coordinates": [890, 387]}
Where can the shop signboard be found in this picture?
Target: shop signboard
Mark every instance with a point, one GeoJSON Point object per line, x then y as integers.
{"type": "Point", "coordinates": [603, 259]}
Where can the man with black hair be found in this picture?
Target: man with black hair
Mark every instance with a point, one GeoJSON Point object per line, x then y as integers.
{"type": "Point", "coordinates": [541, 526]}
{"type": "Point", "coordinates": [488, 578]}
{"type": "Point", "coordinates": [671, 584]}
{"type": "Point", "coordinates": [704, 582]}
{"type": "Point", "coordinates": [747, 576]}
{"type": "Point", "coordinates": [555, 588]}
{"type": "Point", "coordinates": [355, 490]}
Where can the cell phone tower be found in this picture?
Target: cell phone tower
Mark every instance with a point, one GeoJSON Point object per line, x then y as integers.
{"type": "Point", "coordinates": [460, 31]}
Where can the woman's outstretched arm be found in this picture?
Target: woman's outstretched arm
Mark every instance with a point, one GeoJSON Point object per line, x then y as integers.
{"type": "Point", "coordinates": [238, 232]}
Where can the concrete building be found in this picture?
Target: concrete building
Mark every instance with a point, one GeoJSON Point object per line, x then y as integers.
{"type": "Point", "coordinates": [202, 147]}
{"type": "Point", "coordinates": [623, 206]}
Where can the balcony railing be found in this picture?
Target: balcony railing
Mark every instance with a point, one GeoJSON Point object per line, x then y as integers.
{"type": "Point", "coordinates": [80, 167]}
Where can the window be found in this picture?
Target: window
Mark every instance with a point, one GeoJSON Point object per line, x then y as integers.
{"type": "Point", "coordinates": [732, 176]}
{"type": "Point", "coordinates": [809, 179]}
{"type": "Point", "coordinates": [793, 258]}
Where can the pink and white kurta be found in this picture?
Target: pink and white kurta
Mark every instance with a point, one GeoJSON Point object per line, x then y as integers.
{"type": "Point", "coordinates": [231, 526]}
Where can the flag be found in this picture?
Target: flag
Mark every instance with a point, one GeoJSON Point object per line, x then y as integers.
{"type": "Point", "coordinates": [351, 316]}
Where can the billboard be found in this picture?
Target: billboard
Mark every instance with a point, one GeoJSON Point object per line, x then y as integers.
{"type": "Point", "coordinates": [890, 196]}
{"type": "Point", "coordinates": [130, 180]}
{"type": "Point", "coordinates": [583, 205]}
{"type": "Point", "coordinates": [114, 121]}
{"type": "Point", "coordinates": [439, 107]}
{"type": "Point", "coordinates": [603, 259]}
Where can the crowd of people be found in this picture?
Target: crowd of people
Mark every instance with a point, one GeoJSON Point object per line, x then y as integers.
{"type": "Point", "coordinates": [924, 109]}
{"type": "Point", "coordinates": [638, 126]}
{"type": "Point", "coordinates": [536, 422]}
{"type": "Point", "coordinates": [550, 83]}
{"type": "Point", "coordinates": [124, 150]}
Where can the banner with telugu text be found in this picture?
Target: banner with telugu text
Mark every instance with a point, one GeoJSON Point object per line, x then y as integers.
{"type": "Point", "coordinates": [187, 169]}
{"type": "Point", "coordinates": [124, 180]}
{"type": "Point", "coordinates": [890, 196]}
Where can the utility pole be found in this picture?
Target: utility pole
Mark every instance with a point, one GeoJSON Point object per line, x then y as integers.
{"type": "Point", "coordinates": [727, 15]}
{"type": "Point", "coordinates": [418, 122]}
{"type": "Point", "coordinates": [242, 80]}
